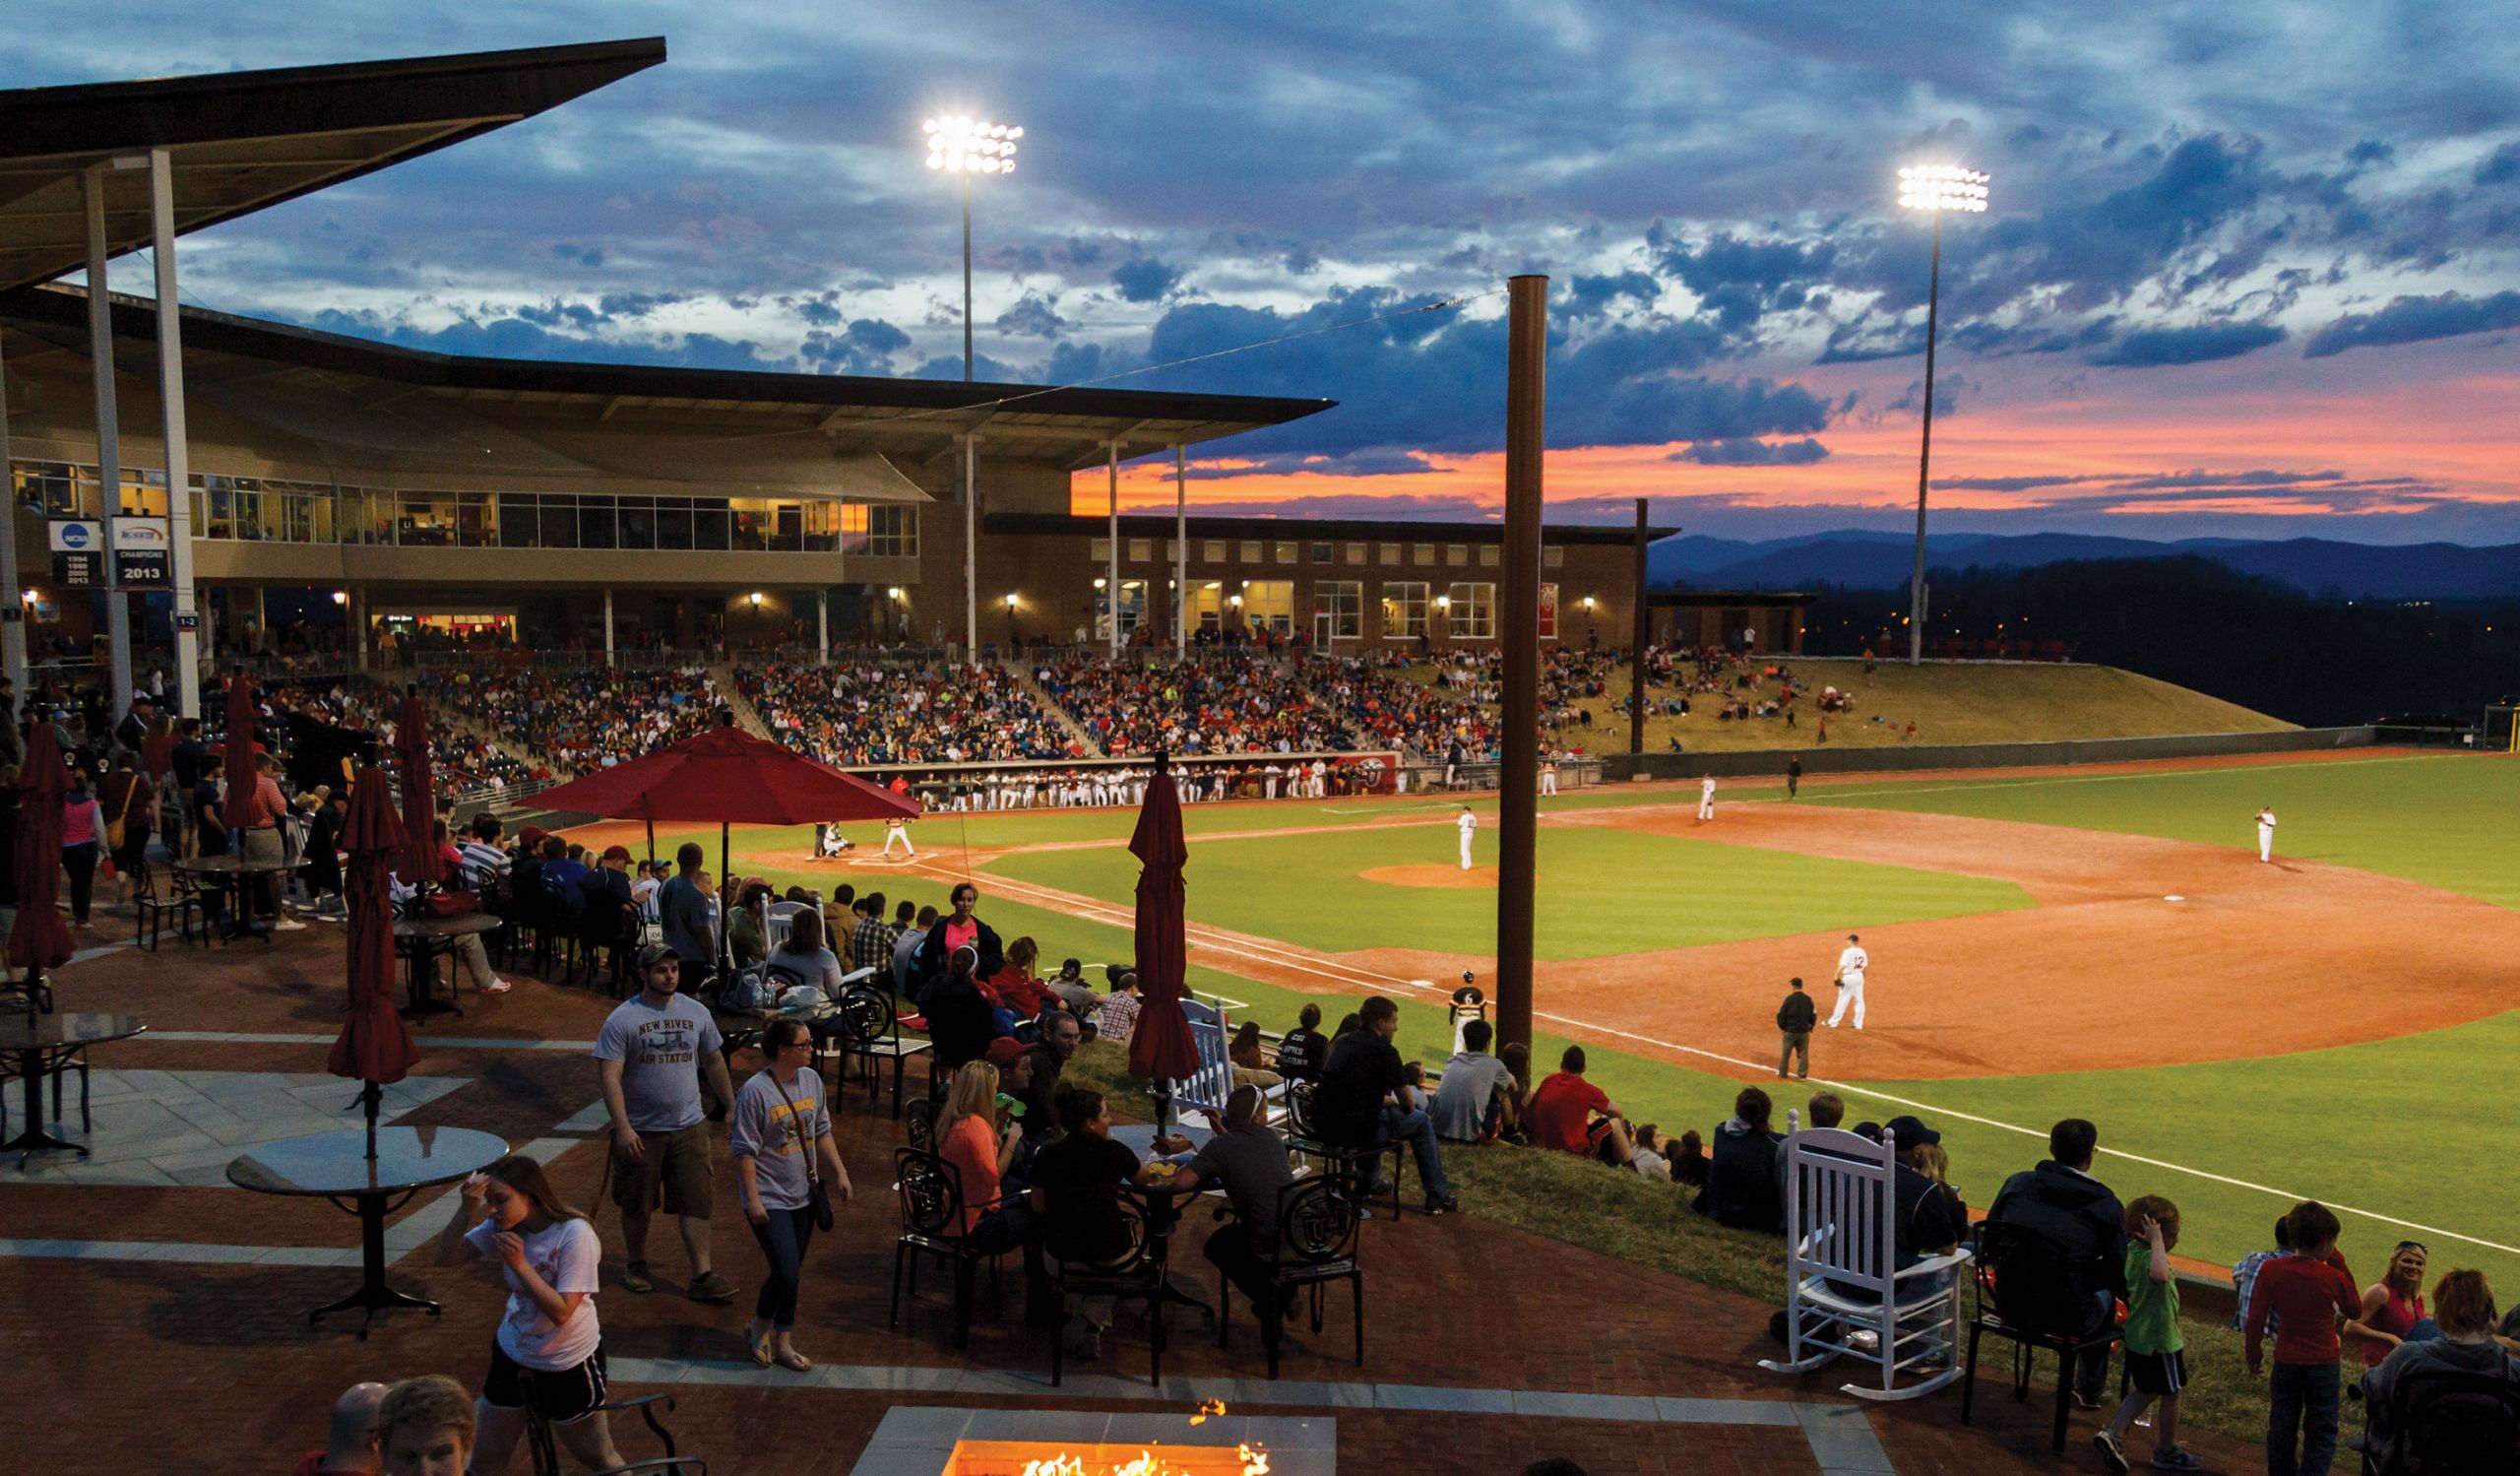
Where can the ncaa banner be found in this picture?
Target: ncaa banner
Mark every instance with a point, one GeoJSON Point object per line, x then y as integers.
{"type": "Point", "coordinates": [78, 552]}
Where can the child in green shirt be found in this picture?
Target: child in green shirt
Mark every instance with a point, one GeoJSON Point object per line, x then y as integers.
{"type": "Point", "coordinates": [2156, 1363]}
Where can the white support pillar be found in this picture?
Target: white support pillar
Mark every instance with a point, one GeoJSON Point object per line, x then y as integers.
{"type": "Point", "coordinates": [1113, 589]}
{"type": "Point", "coordinates": [1181, 550]}
{"type": "Point", "coordinates": [101, 352]}
{"type": "Point", "coordinates": [355, 614]}
{"type": "Point", "coordinates": [607, 626]}
{"type": "Point", "coordinates": [171, 424]}
{"type": "Point", "coordinates": [13, 605]}
{"type": "Point", "coordinates": [822, 626]}
{"type": "Point", "coordinates": [971, 521]}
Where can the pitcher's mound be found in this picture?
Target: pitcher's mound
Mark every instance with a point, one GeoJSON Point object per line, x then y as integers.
{"type": "Point", "coordinates": [1453, 876]}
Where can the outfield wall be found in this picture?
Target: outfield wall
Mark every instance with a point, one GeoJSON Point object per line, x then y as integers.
{"type": "Point", "coordinates": [1820, 758]}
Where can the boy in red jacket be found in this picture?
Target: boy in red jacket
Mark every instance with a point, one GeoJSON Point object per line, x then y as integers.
{"type": "Point", "coordinates": [2311, 1294]}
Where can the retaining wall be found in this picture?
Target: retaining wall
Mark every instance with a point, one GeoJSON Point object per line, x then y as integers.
{"type": "Point", "coordinates": [1821, 758]}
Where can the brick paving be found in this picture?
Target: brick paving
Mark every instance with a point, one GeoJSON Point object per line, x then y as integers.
{"type": "Point", "coordinates": [182, 1368]}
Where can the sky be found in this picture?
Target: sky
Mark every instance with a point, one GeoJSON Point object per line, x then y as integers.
{"type": "Point", "coordinates": [2249, 269]}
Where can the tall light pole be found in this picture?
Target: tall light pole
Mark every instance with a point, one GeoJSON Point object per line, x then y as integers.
{"type": "Point", "coordinates": [959, 144]}
{"type": "Point", "coordinates": [1935, 188]}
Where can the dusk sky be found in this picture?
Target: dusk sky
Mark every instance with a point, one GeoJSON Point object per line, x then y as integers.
{"type": "Point", "coordinates": [2249, 269]}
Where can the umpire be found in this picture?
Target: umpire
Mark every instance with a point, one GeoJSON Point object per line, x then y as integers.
{"type": "Point", "coordinates": [1794, 1019]}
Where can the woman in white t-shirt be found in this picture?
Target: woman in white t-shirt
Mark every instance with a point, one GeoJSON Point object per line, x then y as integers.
{"type": "Point", "coordinates": [549, 1255]}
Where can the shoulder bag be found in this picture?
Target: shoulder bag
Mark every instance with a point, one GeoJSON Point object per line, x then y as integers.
{"type": "Point", "coordinates": [817, 1197]}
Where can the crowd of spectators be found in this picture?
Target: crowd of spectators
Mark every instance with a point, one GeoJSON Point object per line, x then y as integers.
{"type": "Point", "coordinates": [879, 713]}
{"type": "Point", "coordinates": [1226, 703]}
{"type": "Point", "coordinates": [1387, 708]}
{"type": "Point", "coordinates": [575, 720]}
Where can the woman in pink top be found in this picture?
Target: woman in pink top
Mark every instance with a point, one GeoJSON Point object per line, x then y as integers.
{"type": "Point", "coordinates": [81, 820]}
{"type": "Point", "coordinates": [994, 1213]}
{"type": "Point", "coordinates": [2394, 1303]}
{"type": "Point", "coordinates": [961, 929]}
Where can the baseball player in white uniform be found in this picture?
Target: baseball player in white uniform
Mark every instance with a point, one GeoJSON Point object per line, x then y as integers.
{"type": "Point", "coordinates": [896, 828]}
{"type": "Point", "coordinates": [2266, 833]}
{"type": "Point", "coordinates": [1549, 775]}
{"type": "Point", "coordinates": [1851, 962]}
{"type": "Point", "coordinates": [1469, 824]}
{"type": "Point", "coordinates": [1706, 797]}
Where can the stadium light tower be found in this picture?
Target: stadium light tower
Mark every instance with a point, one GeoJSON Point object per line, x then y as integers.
{"type": "Point", "coordinates": [959, 144]}
{"type": "Point", "coordinates": [1936, 189]}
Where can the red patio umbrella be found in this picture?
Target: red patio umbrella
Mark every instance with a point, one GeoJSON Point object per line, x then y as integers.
{"type": "Point", "coordinates": [243, 807]}
{"type": "Point", "coordinates": [42, 939]}
{"type": "Point", "coordinates": [374, 1045]}
{"type": "Point", "coordinates": [729, 776]}
{"type": "Point", "coordinates": [1159, 1048]}
{"type": "Point", "coordinates": [420, 864]}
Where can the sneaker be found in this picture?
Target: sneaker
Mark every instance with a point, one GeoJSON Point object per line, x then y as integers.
{"type": "Point", "coordinates": [712, 1288]}
{"type": "Point", "coordinates": [2084, 1401]}
{"type": "Point", "coordinates": [496, 987]}
{"type": "Point", "coordinates": [1084, 1340]}
{"type": "Point", "coordinates": [288, 924]}
{"type": "Point", "coordinates": [635, 1277]}
{"type": "Point", "coordinates": [1441, 1204]}
{"type": "Point", "coordinates": [2177, 1458]}
{"type": "Point", "coordinates": [2111, 1449]}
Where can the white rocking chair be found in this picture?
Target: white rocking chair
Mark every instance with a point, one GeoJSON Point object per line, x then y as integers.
{"type": "Point", "coordinates": [1843, 1297]}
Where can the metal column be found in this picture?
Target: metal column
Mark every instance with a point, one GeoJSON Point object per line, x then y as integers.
{"type": "Point", "coordinates": [1639, 629]}
{"type": "Point", "coordinates": [971, 521]}
{"type": "Point", "coordinates": [101, 352]}
{"type": "Point", "coordinates": [13, 605]}
{"type": "Point", "coordinates": [1180, 549]}
{"type": "Point", "coordinates": [822, 626]}
{"type": "Point", "coordinates": [1925, 456]}
{"type": "Point", "coordinates": [171, 424]}
{"type": "Point", "coordinates": [1517, 824]}
{"type": "Point", "coordinates": [607, 626]}
{"type": "Point", "coordinates": [1112, 574]}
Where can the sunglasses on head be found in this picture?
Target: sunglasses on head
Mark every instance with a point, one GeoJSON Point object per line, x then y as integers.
{"type": "Point", "coordinates": [2413, 1245]}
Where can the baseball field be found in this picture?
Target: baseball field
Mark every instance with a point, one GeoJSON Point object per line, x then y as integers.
{"type": "Point", "coordinates": [2101, 942]}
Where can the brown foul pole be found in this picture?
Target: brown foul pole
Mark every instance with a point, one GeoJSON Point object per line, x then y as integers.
{"type": "Point", "coordinates": [1642, 629]}
{"type": "Point", "coordinates": [1516, 826]}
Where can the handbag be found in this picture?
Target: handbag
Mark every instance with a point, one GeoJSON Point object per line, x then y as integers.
{"type": "Point", "coordinates": [817, 1199]}
{"type": "Point", "coordinates": [453, 904]}
{"type": "Point", "coordinates": [114, 826]}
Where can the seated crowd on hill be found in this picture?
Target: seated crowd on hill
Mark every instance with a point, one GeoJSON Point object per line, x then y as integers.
{"type": "Point", "coordinates": [1196, 706]}
{"type": "Point", "coordinates": [575, 720]}
{"type": "Point", "coordinates": [878, 713]}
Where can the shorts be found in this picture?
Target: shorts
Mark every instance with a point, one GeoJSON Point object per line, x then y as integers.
{"type": "Point", "coordinates": [2157, 1372]}
{"type": "Point", "coordinates": [562, 1396]}
{"type": "Point", "coordinates": [1598, 1141]}
{"type": "Point", "coordinates": [673, 1166]}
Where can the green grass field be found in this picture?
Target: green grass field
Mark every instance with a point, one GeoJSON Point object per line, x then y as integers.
{"type": "Point", "coordinates": [2413, 1129]}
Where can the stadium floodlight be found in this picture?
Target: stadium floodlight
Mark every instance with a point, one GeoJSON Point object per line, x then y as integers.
{"type": "Point", "coordinates": [1939, 190]}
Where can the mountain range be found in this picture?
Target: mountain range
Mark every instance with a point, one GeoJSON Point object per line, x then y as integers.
{"type": "Point", "coordinates": [1866, 559]}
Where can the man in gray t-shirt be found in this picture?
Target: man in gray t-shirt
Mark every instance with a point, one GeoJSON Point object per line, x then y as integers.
{"type": "Point", "coordinates": [1247, 1160]}
{"type": "Point", "coordinates": [649, 1058]}
{"type": "Point", "coordinates": [682, 911]}
{"type": "Point", "coordinates": [1473, 1080]}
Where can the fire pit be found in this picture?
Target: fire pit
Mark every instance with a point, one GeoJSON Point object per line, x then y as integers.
{"type": "Point", "coordinates": [932, 1441]}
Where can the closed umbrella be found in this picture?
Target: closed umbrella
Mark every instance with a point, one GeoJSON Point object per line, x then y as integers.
{"type": "Point", "coordinates": [374, 1045]}
{"type": "Point", "coordinates": [1159, 1048]}
{"type": "Point", "coordinates": [42, 939]}
{"type": "Point", "coordinates": [420, 865]}
{"type": "Point", "coordinates": [243, 807]}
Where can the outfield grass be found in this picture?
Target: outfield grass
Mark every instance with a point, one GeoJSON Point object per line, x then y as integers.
{"type": "Point", "coordinates": [1602, 891]}
{"type": "Point", "coordinates": [2442, 820]}
{"type": "Point", "coordinates": [1950, 703]}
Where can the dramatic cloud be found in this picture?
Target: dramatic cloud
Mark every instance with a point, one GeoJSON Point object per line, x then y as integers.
{"type": "Point", "coordinates": [2413, 320]}
{"type": "Point", "coordinates": [1145, 279]}
{"type": "Point", "coordinates": [1752, 453]}
{"type": "Point", "coordinates": [2150, 346]}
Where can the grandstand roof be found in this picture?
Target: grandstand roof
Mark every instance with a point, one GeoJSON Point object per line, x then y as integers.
{"type": "Point", "coordinates": [239, 142]}
{"type": "Point", "coordinates": [1397, 530]}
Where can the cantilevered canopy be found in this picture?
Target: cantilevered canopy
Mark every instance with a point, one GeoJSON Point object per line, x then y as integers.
{"type": "Point", "coordinates": [240, 140]}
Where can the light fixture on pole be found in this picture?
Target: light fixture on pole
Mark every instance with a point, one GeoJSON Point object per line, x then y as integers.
{"type": "Point", "coordinates": [1938, 189]}
{"type": "Point", "coordinates": [959, 144]}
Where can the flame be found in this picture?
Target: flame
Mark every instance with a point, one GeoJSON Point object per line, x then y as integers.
{"type": "Point", "coordinates": [1255, 1462]}
{"type": "Point", "coordinates": [1207, 1407]}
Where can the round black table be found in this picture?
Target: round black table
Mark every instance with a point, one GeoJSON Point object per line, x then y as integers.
{"type": "Point", "coordinates": [422, 939]}
{"type": "Point", "coordinates": [335, 1166]}
{"type": "Point", "coordinates": [233, 873]}
{"type": "Point", "coordinates": [1163, 1204]}
{"type": "Point", "coordinates": [39, 1042]}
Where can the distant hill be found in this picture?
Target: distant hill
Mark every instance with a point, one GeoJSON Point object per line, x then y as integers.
{"type": "Point", "coordinates": [1865, 559]}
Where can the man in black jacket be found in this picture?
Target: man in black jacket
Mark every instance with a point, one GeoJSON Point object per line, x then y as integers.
{"type": "Point", "coordinates": [1350, 1106]}
{"type": "Point", "coordinates": [2060, 1202]}
{"type": "Point", "coordinates": [1793, 1020]}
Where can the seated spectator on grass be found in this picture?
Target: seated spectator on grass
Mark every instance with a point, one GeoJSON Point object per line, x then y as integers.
{"type": "Point", "coordinates": [1303, 1051]}
{"type": "Point", "coordinates": [1686, 1155]}
{"type": "Point", "coordinates": [1517, 1057]}
{"type": "Point", "coordinates": [1070, 986]}
{"type": "Point", "coordinates": [1932, 1161]}
{"type": "Point", "coordinates": [2061, 1201]}
{"type": "Point", "coordinates": [2245, 1272]}
{"type": "Point", "coordinates": [1824, 1110]}
{"type": "Point", "coordinates": [1476, 1098]}
{"type": "Point", "coordinates": [1744, 1187]}
{"type": "Point", "coordinates": [424, 1427]}
{"type": "Point", "coordinates": [1562, 1115]}
{"type": "Point", "coordinates": [2394, 1303]}
{"type": "Point", "coordinates": [1016, 988]}
{"type": "Point", "coordinates": [1923, 1226]}
{"type": "Point", "coordinates": [2463, 1311]}
{"type": "Point", "coordinates": [960, 1020]}
{"type": "Point", "coordinates": [350, 1445]}
{"type": "Point", "coordinates": [870, 941]}
{"type": "Point", "coordinates": [1250, 1060]}
{"type": "Point", "coordinates": [1351, 1106]}
{"type": "Point", "coordinates": [1117, 1019]}
{"type": "Point", "coordinates": [1649, 1159]}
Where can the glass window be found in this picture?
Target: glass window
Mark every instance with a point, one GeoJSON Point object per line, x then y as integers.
{"type": "Point", "coordinates": [893, 530]}
{"type": "Point", "coordinates": [1488, 554]}
{"type": "Point", "coordinates": [595, 519]}
{"type": "Point", "coordinates": [1456, 555]}
{"type": "Point", "coordinates": [710, 524]}
{"type": "Point", "coordinates": [1207, 605]}
{"type": "Point", "coordinates": [1553, 556]}
{"type": "Point", "coordinates": [1141, 550]}
{"type": "Point", "coordinates": [1392, 556]}
{"type": "Point", "coordinates": [1423, 555]}
{"type": "Point", "coordinates": [1358, 553]}
{"type": "Point", "coordinates": [1322, 554]}
{"type": "Point", "coordinates": [787, 527]}
{"type": "Point", "coordinates": [477, 520]}
{"type": "Point", "coordinates": [636, 520]}
{"type": "Point", "coordinates": [291, 505]}
{"type": "Point", "coordinates": [556, 521]}
{"type": "Point", "coordinates": [1286, 552]}
{"type": "Point", "coordinates": [519, 522]}
{"type": "Point", "coordinates": [1549, 612]}
{"type": "Point", "coordinates": [57, 488]}
{"type": "Point", "coordinates": [1171, 550]}
{"type": "Point", "coordinates": [1211, 551]}
{"type": "Point", "coordinates": [144, 493]}
{"type": "Point", "coordinates": [1250, 551]}
{"type": "Point", "coordinates": [1472, 615]}
{"type": "Point", "coordinates": [674, 521]}
{"type": "Point", "coordinates": [1270, 604]}
{"type": "Point", "coordinates": [822, 528]}
{"type": "Point", "coordinates": [1098, 551]}
{"type": "Point", "coordinates": [1404, 609]}
{"type": "Point", "coordinates": [750, 519]}
{"type": "Point", "coordinates": [1339, 610]}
